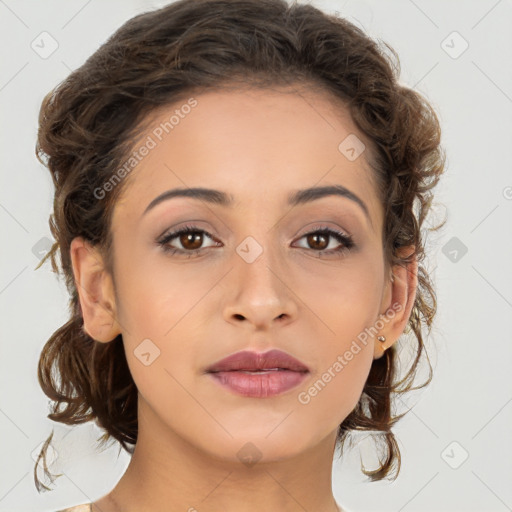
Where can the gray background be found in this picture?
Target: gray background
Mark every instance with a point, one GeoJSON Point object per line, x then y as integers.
{"type": "Point", "coordinates": [467, 410]}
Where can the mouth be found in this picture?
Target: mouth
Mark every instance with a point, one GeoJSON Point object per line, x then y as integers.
{"type": "Point", "coordinates": [260, 383]}
{"type": "Point", "coordinates": [256, 375]}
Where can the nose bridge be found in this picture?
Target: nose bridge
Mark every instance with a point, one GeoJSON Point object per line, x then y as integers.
{"type": "Point", "coordinates": [258, 262]}
{"type": "Point", "coordinates": [261, 294]}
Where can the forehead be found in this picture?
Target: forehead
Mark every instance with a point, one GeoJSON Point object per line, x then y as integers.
{"type": "Point", "coordinates": [256, 145]}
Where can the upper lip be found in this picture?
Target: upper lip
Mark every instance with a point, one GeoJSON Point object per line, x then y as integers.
{"type": "Point", "coordinates": [247, 360]}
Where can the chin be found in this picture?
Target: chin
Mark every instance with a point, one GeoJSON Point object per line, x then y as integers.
{"type": "Point", "coordinates": [260, 443]}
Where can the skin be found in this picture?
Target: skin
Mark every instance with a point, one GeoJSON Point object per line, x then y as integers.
{"type": "Point", "coordinates": [259, 146]}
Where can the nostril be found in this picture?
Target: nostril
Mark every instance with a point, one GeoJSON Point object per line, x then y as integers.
{"type": "Point", "coordinates": [239, 317]}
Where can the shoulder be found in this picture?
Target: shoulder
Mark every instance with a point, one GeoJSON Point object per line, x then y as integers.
{"type": "Point", "coordinates": [86, 507]}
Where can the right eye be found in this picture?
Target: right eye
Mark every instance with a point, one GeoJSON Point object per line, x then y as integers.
{"type": "Point", "coordinates": [189, 237]}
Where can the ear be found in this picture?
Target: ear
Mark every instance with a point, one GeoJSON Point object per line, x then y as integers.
{"type": "Point", "coordinates": [96, 291]}
{"type": "Point", "coordinates": [398, 302]}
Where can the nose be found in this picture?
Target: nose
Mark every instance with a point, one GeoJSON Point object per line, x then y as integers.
{"type": "Point", "coordinates": [260, 295]}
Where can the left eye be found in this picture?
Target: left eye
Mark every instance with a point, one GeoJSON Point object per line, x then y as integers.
{"type": "Point", "coordinates": [318, 237]}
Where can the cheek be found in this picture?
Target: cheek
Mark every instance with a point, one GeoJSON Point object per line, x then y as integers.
{"type": "Point", "coordinates": [155, 293]}
{"type": "Point", "coordinates": [348, 307]}
{"type": "Point", "coordinates": [335, 389]}
{"type": "Point", "coordinates": [345, 298]}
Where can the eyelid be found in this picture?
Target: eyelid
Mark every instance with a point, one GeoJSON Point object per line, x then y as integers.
{"type": "Point", "coordinates": [324, 225]}
{"type": "Point", "coordinates": [343, 236]}
{"type": "Point", "coordinates": [171, 233]}
{"type": "Point", "coordinates": [318, 226]}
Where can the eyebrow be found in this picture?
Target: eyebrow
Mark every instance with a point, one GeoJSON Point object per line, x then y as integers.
{"type": "Point", "coordinates": [296, 198]}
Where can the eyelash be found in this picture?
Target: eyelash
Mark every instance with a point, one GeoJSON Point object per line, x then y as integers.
{"type": "Point", "coordinates": [346, 240]}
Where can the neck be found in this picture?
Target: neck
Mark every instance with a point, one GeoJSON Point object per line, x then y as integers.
{"type": "Point", "coordinates": [166, 473]}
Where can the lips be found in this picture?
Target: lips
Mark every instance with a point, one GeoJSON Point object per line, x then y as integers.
{"type": "Point", "coordinates": [253, 361]}
{"type": "Point", "coordinates": [254, 375]}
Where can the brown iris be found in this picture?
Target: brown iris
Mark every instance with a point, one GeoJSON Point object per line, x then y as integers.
{"type": "Point", "coordinates": [191, 241]}
{"type": "Point", "coordinates": [313, 240]}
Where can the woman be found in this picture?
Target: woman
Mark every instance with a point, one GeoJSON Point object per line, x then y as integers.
{"type": "Point", "coordinates": [240, 193]}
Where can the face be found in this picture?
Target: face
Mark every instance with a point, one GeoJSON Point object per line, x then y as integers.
{"type": "Point", "coordinates": [256, 273]}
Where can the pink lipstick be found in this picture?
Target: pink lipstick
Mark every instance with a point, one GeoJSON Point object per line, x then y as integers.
{"type": "Point", "coordinates": [259, 375]}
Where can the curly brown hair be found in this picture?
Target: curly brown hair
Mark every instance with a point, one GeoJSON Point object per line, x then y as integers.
{"type": "Point", "coordinates": [87, 126]}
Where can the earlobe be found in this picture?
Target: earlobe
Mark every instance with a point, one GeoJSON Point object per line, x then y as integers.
{"type": "Point", "coordinates": [95, 289]}
{"type": "Point", "coordinates": [397, 310]}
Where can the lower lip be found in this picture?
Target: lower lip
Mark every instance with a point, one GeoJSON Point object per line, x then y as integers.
{"type": "Point", "coordinates": [262, 385]}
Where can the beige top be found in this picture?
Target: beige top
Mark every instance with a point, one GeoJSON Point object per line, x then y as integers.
{"type": "Point", "coordinates": [86, 507]}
